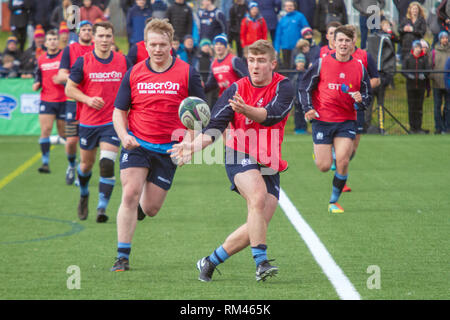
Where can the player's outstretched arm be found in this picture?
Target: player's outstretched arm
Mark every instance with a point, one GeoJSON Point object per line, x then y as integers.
{"type": "Point", "coordinates": [182, 152]}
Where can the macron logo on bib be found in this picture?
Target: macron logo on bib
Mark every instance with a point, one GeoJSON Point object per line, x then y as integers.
{"type": "Point", "coordinates": [167, 87]}
{"type": "Point", "coordinates": [112, 76]}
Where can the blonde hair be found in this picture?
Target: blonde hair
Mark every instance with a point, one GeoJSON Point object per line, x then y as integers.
{"type": "Point", "coordinates": [301, 44]}
{"type": "Point", "coordinates": [262, 47]}
{"type": "Point", "coordinates": [160, 26]}
{"type": "Point", "coordinates": [421, 9]}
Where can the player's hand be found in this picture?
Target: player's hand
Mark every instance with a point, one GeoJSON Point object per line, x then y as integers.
{"type": "Point", "coordinates": [237, 104]}
{"type": "Point", "coordinates": [96, 102]}
{"type": "Point", "coordinates": [311, 115]}
{"type": "Point", "coordinates": [129, 142]}
{"type": "Point", "coordinates": [357, 96]}
{"type": "Point", "coordinates": [36, 86]}
{"type": "Point", "coordinates": [181, 153]}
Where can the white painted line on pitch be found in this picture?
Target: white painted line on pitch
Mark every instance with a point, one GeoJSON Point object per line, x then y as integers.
{"type": "Point", "coordinates": [342, 285]}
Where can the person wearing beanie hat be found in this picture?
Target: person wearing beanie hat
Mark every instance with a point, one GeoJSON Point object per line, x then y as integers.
{"type": "Point", "coordinates": [64, 33]}
{"type": "Point", "coordinates": [306, 31]}
{"type": "Point", "coordinates": [12, 47]}
{"type": "Point", "coordinates": [437, 59]}
{"type": "Point", "coordinates": [39, 32]}
{"type": "Point", "coordinates": [253, 26]}
{"type": "Point", "coordinates": [205, 42]}
{"type": "Point", "coordinates": [416, 83]}
{"type": "Point", "coordinates": [226, 67]}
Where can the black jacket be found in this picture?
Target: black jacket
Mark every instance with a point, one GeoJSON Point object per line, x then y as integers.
{"type": "Point", "coordinates": [415, 80]}
{"type": "Point", "coordinates": [20, 12]}
{"type": "Point", "coordinates": [329, 6]}
{"type": "Point", "coordinates": [402, 7]}
{"type": "Point", "coordinates": [407, 38]}
{"type": "Point", "coordinates": [180, 16]}
{"type": "Point", "coordinates": [237, 13]}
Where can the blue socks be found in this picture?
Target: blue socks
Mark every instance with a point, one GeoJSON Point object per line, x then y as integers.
{"type": "Point", "coordinates": [218, 256]}
{"type": "Point", "coordinates": [45, 149]}
{"type": "Point", "coordinates": [105, 188]}
{"type": "Point", "coordinates": [338, 184]}
{"type": "Point", "coordinates": [72, 158]}
{"type": "Point", "coordinates": [123, 250]}
{"type": "Point", "coordinates": [84, 182]}
{"type": "Point", "coordinates": [259, 253]}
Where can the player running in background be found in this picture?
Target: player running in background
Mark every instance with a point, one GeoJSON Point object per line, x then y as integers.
{"type": "Point", "coordinates": [255, 106]}
{"type": "Point", "coordinates": [145, 118]}
{"type": "Point", "coordinates": [331, 109]}
{"type": "Point", "coordinates": [226, 67]}
{"type": "Point", "coordinates": [326, 49]}
{"type": "Point", "coordinates": [69, 56]}
{"type": "Point", "coordinates": [94, 82]}
{"type": "Point", "coordinates": [369, 63]}
{"type": "Point", "coordinates": [53, 99]}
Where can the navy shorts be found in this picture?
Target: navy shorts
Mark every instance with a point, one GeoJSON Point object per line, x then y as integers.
{"type": "Point", "coordinates": [325, 132]}
{"type": "Point", "coordinates": [71, 111]}
{"type": "Point", "coordinates": [360, 119]}
{"type": "Point", "coordinates": [244, 163]}
{"type": "Point", "coordinates": [90, 137]}
{"type": "Point", "coordinates": [56, 108]}
{"type": "Point", "coordinates": [161, 167]}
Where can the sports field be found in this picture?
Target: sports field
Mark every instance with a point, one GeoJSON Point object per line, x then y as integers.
{"type": "Point", "coordinates": [391, 243]}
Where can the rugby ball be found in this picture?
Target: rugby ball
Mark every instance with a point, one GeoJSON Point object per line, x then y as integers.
{"type": "Point", "coordinates": [192, 110]}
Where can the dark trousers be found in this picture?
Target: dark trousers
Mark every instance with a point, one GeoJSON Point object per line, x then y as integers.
{"type": "Point", "coordinates": [441, 116]}
{"type": "Point", "coordinates": [286, 58]}
{"type": "Point", "coordinates": [299, 117]}
{"type": "Point", "coordinates": [236, 37]}
{"type": "Point", "coordinates": [21, 35]}
{"type": "Point", "coordinates": [415, 99]}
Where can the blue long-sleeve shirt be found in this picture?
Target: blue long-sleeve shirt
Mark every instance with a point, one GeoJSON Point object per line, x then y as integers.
{"type": "Point", "coordinates": [136, 22]}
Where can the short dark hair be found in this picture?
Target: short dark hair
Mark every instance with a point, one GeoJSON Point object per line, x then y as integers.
{"type": "Point", "coordinates": [345, 30]}
{"type": "Point", "coordinates": [333, 24]}
{"type": "Point", "coordinates": [52, 32]}
{"type": "Point", "coordinates": [104, 24]}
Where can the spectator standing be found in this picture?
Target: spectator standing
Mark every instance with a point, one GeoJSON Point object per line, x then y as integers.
{"type": "Point", "coordinates": [159, 8]}
{"type": "Point", "coordinates": [362, 6]}
{"type": "Point", "coordinates": [415, 86]}
{"type": "Point", "coordinates": [20, 18]}
{"type": "Point", "coordinates": [212, 20]}
{"type": "Point", "coordinates": [447, 75]}
{"type": "Point", "coordinates": [237, 13]}
{"type": "Point", "coordinates": [90, 12]}
{"type": "Point", "coordinates": [61, 13]}
{"type": "Point", "coordinates": [308, 8]}
{"type": "Point", "coordinates": [12, 48]}
{"type": "Point", "coordinates": [63, 35]}
{"type": "Point", "coordinates": [437, 60]}
{"type": "Point", "coordinates": [40, 12]}
{"type": "Point", "coordinates": [402, 8]}
{"type": "Point", "coordinates": [253, 26]}
{"type": "Point", "coordinates": [180, 17]}
{"type": "Point", "coordinates": [328, 11]}
{"type": "Point", "coordinates": [433, 24]}
{"type": "Point", "coordinates": [205, 58]}
{"type": "Point", "coordinates": [136, 18]}
{"type": "Point", "coordinates": [189, 51]}
{"type": "Point", "coordinates": [412, 28]}
{"type": "Point", "coordinates": [289, 32]}
{"type": "Point", "coordinates": [269, 10]}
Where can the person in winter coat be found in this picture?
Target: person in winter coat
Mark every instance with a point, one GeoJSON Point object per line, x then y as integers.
{"type": "Point", "coordinates": [402, 8]}
{"type": "Point", "coordinates": [159, 9]}
{"type": "Point", "coordinates": [180, 17]}
{"type": "Point", "coordinates": [90, 12]}
{"type": "Point", "coordinates": [415, 85]}
{"type": "Point", "coordinates": [363, 8]}
{"type": "Point", "coordinates": [437, 59]}
{"type": "Point", "coordinates": [269, 9]}
{"type": "Point", "coordinates": [413, 27]}
{"type": "Point", "coordinates": [326, 11]}
{"type": "Point", "coordinates": [289, 31]}
{"type": "Point", "coordinates": [20, 17]}
{"type": "Point", "coordinates": [253, 26]}
{"type": "Point", "coordinates": [137, 15]}
{"type": "Point", "coordinates": [237, 13]}
{"type": "Point", "coordinates": [308, 8]}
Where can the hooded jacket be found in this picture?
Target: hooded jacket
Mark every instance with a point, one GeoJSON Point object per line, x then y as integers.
{"type": "Point", "coordinates": [289, 30]}
{"type": "Point", "coordinates": [436, 60]}
{"type": "Point", "coordinates": [415, 80]}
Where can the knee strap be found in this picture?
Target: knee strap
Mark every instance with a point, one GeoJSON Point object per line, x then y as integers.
{"type": "Point", "coordinates": [107, 159]}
